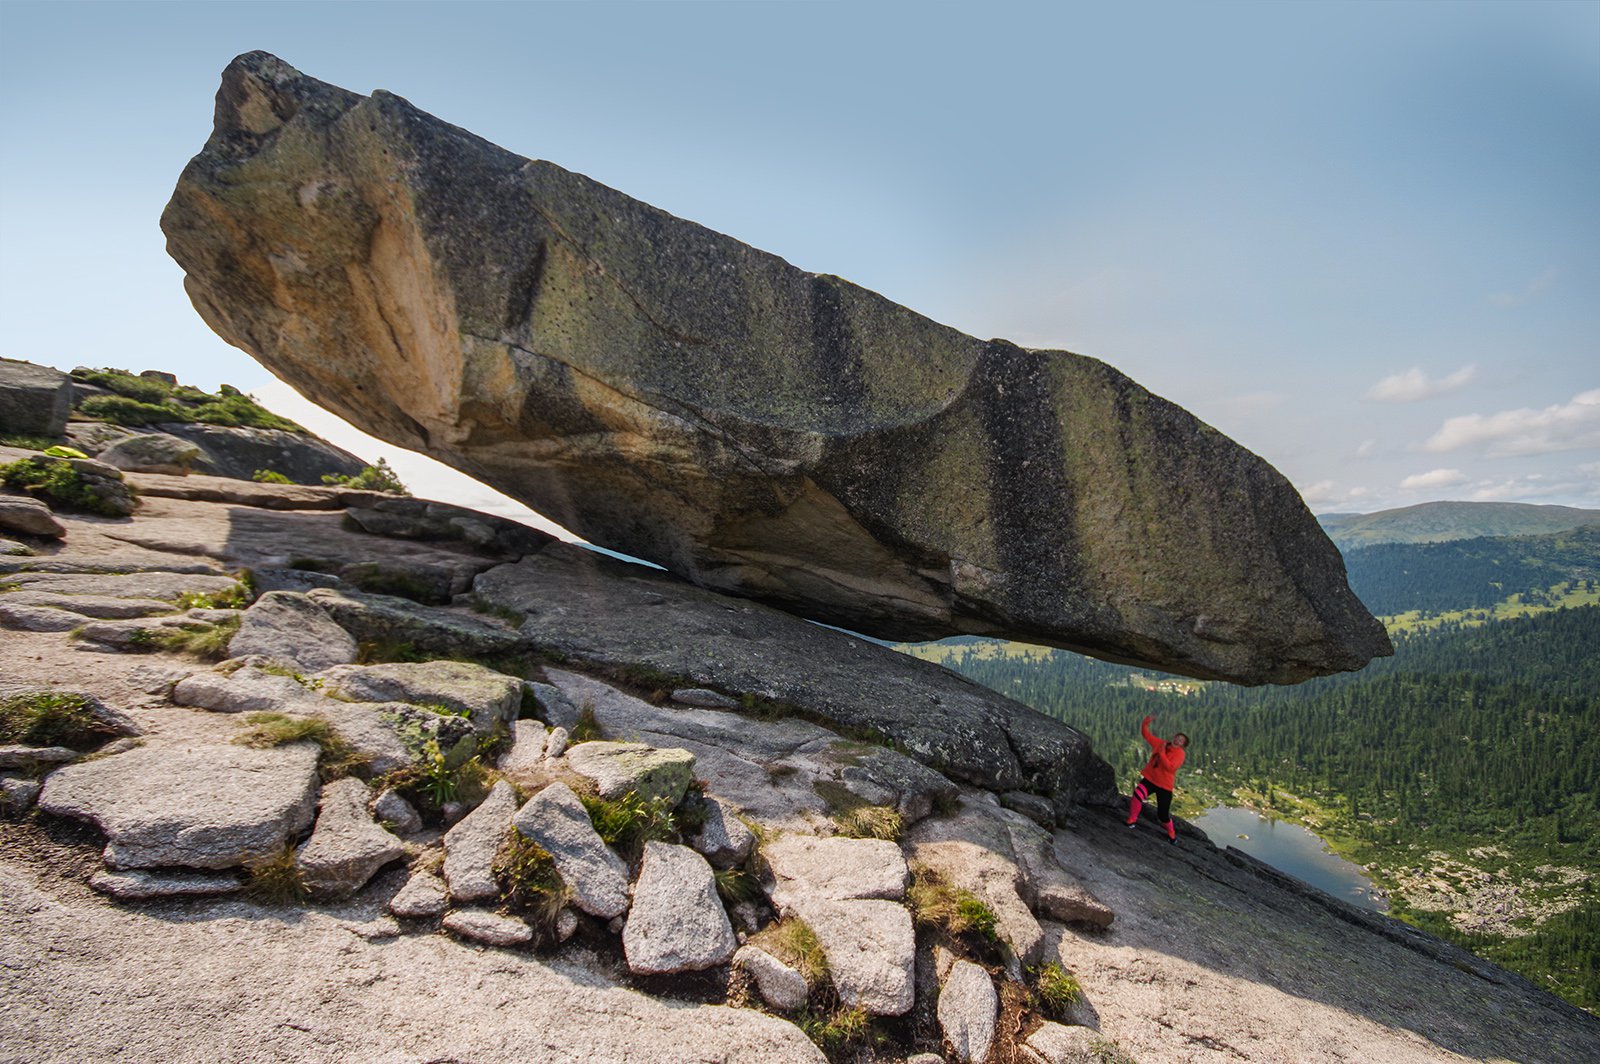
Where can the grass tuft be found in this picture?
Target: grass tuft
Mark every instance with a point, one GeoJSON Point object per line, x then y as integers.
{"type": "Point", "coordinates": [629, 821]}
{"type": "Point", "coordinates": [587, 728]}
{"type": "Point", "coordinates": [202, 639]}
{"type": "Point", "coordinates": [336, 757]}
{"type": "Point", "coordinates": [1056, 988]}
{"type": "Point", "coordinates": [854, 818]}
{"type": "Point", "coordinates": [277, 880]}
{"type": "Point", "coordinates": [529, 883]}
{"type": "Point", "coordinates": [44, 718]}
{"type": "Point", "coordinates": [792, 941]}
{"type": "Point", "coordinates": [737, 885]}
{"type": "Point", "coordinates": [955, 911]}
{"type": "Point", "coordinates": [837, 1029]}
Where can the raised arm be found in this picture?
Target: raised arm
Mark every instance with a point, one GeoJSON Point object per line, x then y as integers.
{"type": "Point", "coordinates": [1150, 737]}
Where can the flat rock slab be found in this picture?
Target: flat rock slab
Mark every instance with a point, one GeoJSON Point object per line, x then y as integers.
{"type": "Point", "coordinates": [103, 607]}
{"type": "Point", "coordinates": [346, 847]}
{"type": "Point", "coordinates": [1057, 1043]}
{"type": "Point", "coordinates": [491, 929]}
{"type": "Point", "coordinates": [707, 406]}
{"type": "Point", "coordinates": [805, 867]}
{"type": "Point", "coordinates": [427, 629]}
{"type": "Point", "coordinates": [24, 618]}
{"type": "Point", "coordinates": [470, 846]}
{"type": "Point", "coordinates": [424, 895]}
{"type": "Point", "coordinates": [620, 768]}
{"type": "Point", "coordinates": [677, 923]}
{"type": "Point", "coordinates": [555, 819]}
{"type": "Point", "coordinates": [967, 1009]}
{"type": "Point", "coordinates": [871, 950]}
{"type": "Point", "coordinates": [490, 698]}
{"type": "Point", "coordinates": [291, 628]}
{"type": "Point", "coordinates": [191, 806]}
{"type": "Point", "coordinates": [163, 586]}
{"type": "Point", "coordinates": [139, 884]}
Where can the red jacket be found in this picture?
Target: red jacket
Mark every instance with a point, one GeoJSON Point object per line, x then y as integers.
{"type": "Point", "coordinates": [1162, 768]}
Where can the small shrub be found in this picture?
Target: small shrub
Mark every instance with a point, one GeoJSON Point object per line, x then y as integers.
{"type": "Point", "coordinates": [1056, 988]}
{"type": "Point", "coordinates": [269, 476]}
{"type": "Point", "coordinates": [837, 1029]}
{"type": "Point", "coordinates": [335, 757]}
{"type": "Point", "coordinates": [235, 598]}
{"type": "Point", "coordinates": [587, 728]}
{"type": "Point", "coordinates": [380, 477]}
{"type": "Point", "coordinates": [629, 821]}
{"type": "Point", "coordinates": [737, 885]}
{"type": "Point", "coordinates": [277, 879]}
{"type": "Point", "coordinates": [128, 385]}
{"type": "Point", "coordinates": [57, 479]}
{"type": "Point", "coordinates": [51, 719]}
{"type": "Point", "coordinates": [121, 410]}
{"type": "Point", "coordinates": [529, 882]}
{"type": "Point", "coordinates": [438, 776]}
{"type": "Point", "coordinates": [30, 443]}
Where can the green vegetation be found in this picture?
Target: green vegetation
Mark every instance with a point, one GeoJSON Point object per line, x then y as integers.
{"type": "Point", "coordinates": [371, 478]}
{"type": "Point", "coordinates": [335, 756]}
{"type": "Point", "coordinates": [836, 1029]}
{"type": "Point", "coordinates": [1433, 522]}
{"type": "Point", "coordinates": [137, 400]}
{"type": "Point", "coordinates": [953, 911]}
{"type": "Point", "coordinates": [269, 476]}
{"type": "Point", "coordinates": [31, 443]}
{"type": "Point", "coordinates": [629, 821]}
{"type": "Point", "coordinates": [437, 776]}
{"type": "Point", "coordinates": [60, 481]}
{"type": "Point", "coordinates": [587, 728]}
{"type": "Point", "coordinates": [792, 941]}
{"type": "Point", "coordinates": [277, 879]}
{"type": "Point", "coordinates": [1056, 989]}
{"type": "Point", "coordinates": [236, 597]}
{"type": "Point", "coordinates": [856, 818]}
{"type": "Point", "coordinates": [737, 885]}
{"type": "Point", "coordinates": [529, 883]}
{"type": "Point", "coordinates": [203, 639]}
{"type": "Point", "coordinates": [46, 718]}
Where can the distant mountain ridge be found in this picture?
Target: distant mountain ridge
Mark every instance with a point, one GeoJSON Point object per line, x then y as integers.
{"type": "Point", "coordinates": [1436, 522]}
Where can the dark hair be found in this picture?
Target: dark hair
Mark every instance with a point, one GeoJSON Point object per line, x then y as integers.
{"type": "Point", "coordinates": [1181, 735]}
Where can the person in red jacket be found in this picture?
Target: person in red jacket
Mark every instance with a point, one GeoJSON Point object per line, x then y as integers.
{"type": "Point", "coordinates": [1159, 776]}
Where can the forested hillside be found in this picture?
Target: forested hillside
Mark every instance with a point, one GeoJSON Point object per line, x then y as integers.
{"type": "Point", "coordinates": [1466, 764]}
{"type": "Point", "coordinates": [1433, 522]}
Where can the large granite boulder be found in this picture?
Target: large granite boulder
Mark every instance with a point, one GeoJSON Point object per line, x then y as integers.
{"type": "Point", "coordinates": [677, 395]}
{"type": "Point", "coordinates": [34, 400]}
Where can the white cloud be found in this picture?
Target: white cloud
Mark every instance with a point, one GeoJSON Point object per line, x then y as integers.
{"type": "Point", "coordinates": [1326, 493]}
{"type": "Point", "coordinates": [1366, 449]}
{"type": "Point", "coordinates": [1414, 385]}
{"type": "Point", "coordinates": [1570, 426]}
{"type": "Point", "coordinates": [1530, 290]}
{"type": "Point", "coordinates": [1436, 478]}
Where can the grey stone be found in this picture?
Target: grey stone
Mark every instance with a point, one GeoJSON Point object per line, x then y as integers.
{"type": "Point", "coordinates": [871, 950]}
{"type": "Point", "coordinates": [11, 548]}
{"type": "Point", "coordinates": [566, 925]}
{"type": "Point", "coordinates": [151, 452]}
{"type": "Point", "coordinates": [391, 808]}
{"type": "Point", "coordinates": [104, 607]}
{"type": "Point", "coordinates": [292, 629]}
{"type": "Point", "coordinates": [428, 629]}
{"type": "Point", "coordinates": [20, 792]}
{"type": "Point", "coordinates": [113, 722]}
{"type": "Point", "coordinates": [489, 928]}
{"type": "Point", "coordinates": [925, 1058]}
{"type": "Point", "coordinates": [34, 400]}
{"type": "Point", "coordinates": [723, 838]}
{"type": "Point", "coordinates": [18, 756]}
{"type": "Point", "coordinates": [23, 618]}
{"type": "Point", "coordinates": [527, 747]}
{"type": "Point", "coordinates": [703, 698]}
{"type": "Point", "coordinates": [556, 820]}
{"type": "Point", "coordinates": [1049, 889]}
{"type": "Point", "coordinates": [677, 923]}
{"type": "Point", "coordinates": [244, 690]}
{"type": "Point", "coordinates": [375, 930]}
{"type": "Point", "coordinates": [781, 986]}
{"type": "Point", "coordinates": [270, 578]}
{"type": "Point", "coordinates": [139, 884]}
{"type": "Point", "coordinates": [490, 698]}
{"type": "Point", "coordinates": [195, 805]}
{"type": "Point", "coordinates": [804, 867]}
{"type": "Point", "coordinates": [557, 708]}
{"type": "Point", "coordinates": [618, 768]}
{"type": "Point", "coordinates": [1057, 1043]}
{"type": "Point", "coordinates": [1037, 809]}
{"type": "Point", "coordinates": [968, 1007]}
{"type": "Point", "coordinates": [423, 896]}
{"type": "Point", "coordinates": [29, 517]}
{"type": "Point", "coordinates": [594, 609]}
{"type": "Point", "coordinates": [346, 847]}
{"type": "Point", "coordinates": [555, 744]}
{"type": "Point", "coordinates": [470, 846]}
{"type": "Point", "coordinates": [840, 455]}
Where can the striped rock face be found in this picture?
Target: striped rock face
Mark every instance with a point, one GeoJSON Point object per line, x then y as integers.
{"type": "Point", "coordinates": [674, 394]}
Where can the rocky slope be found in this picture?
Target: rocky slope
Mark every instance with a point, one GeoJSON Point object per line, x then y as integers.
{"type": "Point", "coordinates": [673, 394]}
{"type": "Point", "coordinates": [137, 854]}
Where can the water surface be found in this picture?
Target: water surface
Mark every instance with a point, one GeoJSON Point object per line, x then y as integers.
{"type": "Point", "coordinates": [1292, 849]}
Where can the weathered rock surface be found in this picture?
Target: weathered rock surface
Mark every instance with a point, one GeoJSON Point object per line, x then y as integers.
{"type": "Point", "coordinates": [31, 517]}
{"type": "Point", "coordinates": [679, 396]}
{"type": "Point", "coordinates": [346, 846]}
{"type": "Point", "coordinates": [617, 768]}
{"type": "Point", "coordinates": [470, 846]}
{"type": "Point", "coordinates": [723, 838]}
{"type": "Point", "coordinates": [489, 698]}
{"type": "Point", "coordinates": [95, 480]}
{"type": "Point", "coordinates": [527, 747]}
{"type": "Point", "coordinates": [237, 452]}
{"type": "Point", "coordinates": [589, 607]}
{"type": "Point", "coordinates": [871, 949]}
{"type": "Point", "coordinates": [424, 895]}
{"type": "Point", "coordinates": [140, 884]}
{"type": "Point", "coordinates": [491, 929]}
{"type": "Point", "coordinates": [967, 1010]}
{"type": "Point", "coordinates": [1057, 1043]}
{"type": "Point", "coordinates": [190, 806]}
{"type": "Point", "coordinates": [13, 755]}
{"type": "Point", "coordinates": [677, 923]}
{"type": "Point", "coordinates": [386, 619]}
{"type": "Point", "coordinates": [400, 816]}
{"type": "Point", "coordinates": [105, 607]}
{"type": "Point", "coordinates": [408, 518]}
{"type": "Point", "coordinates": [837, 868]}
{"type": "Point", "coordinates": [151, 452]}
{"type": "Point", "coordinates": [34, 400]}
{"type": "Point", "coordinates": [292, 629]}
{"type": "Point", "coordinates": [781, 986]}
{"type": "Point", "coordinates": [556, 820]}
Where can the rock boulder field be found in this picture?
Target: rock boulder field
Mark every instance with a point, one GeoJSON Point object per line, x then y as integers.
{"type": "Point", "coordinates": [674, 394]}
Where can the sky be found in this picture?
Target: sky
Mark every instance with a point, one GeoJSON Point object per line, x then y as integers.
{"type": "Point", "coordinates": [1362, 239]}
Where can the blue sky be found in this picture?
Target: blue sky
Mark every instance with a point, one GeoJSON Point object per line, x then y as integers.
{"type": "Point", "coordinates": [1362, 239]}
